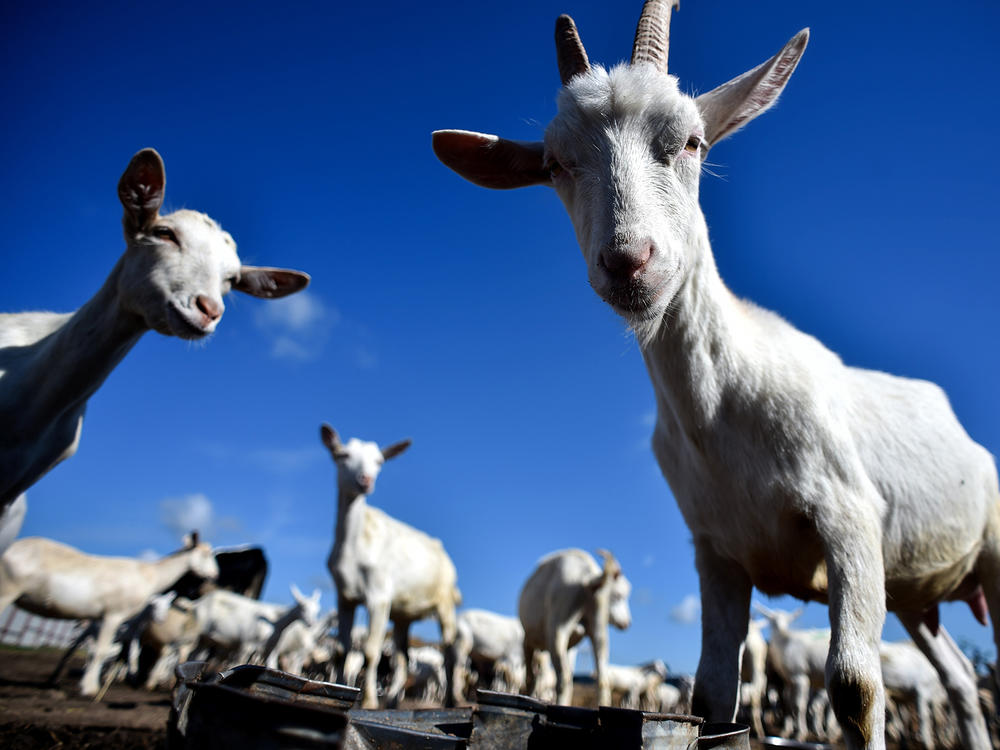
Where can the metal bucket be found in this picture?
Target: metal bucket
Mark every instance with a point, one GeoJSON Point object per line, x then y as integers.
{"type": "Point", "coordinates": [255, 708]}
{"type": "Point", "coordinates": [503, 721]}
{"type": "Point", "coordinates": [725, 735]}
{"type": "Point", "coordinates": [426, 729]}
{"type": "Point", "coordinates": [251, 707]}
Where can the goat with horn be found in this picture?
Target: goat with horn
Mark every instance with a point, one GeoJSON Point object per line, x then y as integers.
{"type": "Point", "coordinates": [794, 472]}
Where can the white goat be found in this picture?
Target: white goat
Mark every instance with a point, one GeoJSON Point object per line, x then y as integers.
{"type": "Point", "coordinates": [638, 686]}
{"type": "Point", "coordinates": [669, 698]}
{"type": "Point", "coordinates": [55, 580]}
{"type": "Point", "coordinates": [243, 626]}
{"type": "Point", "coordinates": [799, 657]}
{"type": "Point", "coordinates": [299, 644]}
{"type": "Point", "coordinates": [491, 644]}
{"type": "Point", "coordinates": [753, 675]}
{"type": "Point", "coordinates": [171, 279]}
{"type": "Point", "coordinates": [795, 473]}
{"type": "Point", "coordinates": [568, 590]}
{"type": "Point", "coordinates": [397, 572]}
{"type": "Point", "coordinates": [305, 610]}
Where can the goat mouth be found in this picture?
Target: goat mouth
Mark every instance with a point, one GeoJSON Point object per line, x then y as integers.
{"type": "Point", "coordinates": [634, 299]}
{"type": "Point", "coordinates": [183, 327]}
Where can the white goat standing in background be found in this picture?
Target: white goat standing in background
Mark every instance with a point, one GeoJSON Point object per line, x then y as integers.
{"type": "Point", "coordinates": [171, 279]}
{"type": "Point", "coordinates": [567, 590]}
{"type": "Point", "coordinates": [305, 610]}
{"type": "Point", "coordinates": [397, 572]}
{"type": "Point", "coordinates": [490, 643]}
{"type": "Point", "coordinates": [245, 627]}
{"type": "Point", "coordinates": [795, 473]}
{"type": "Point", "coordinates": [55, 580]}
{"type": "Point", "coordinates": [299, 644]}
{"type": "Point", "coordinates": [638, 686]}
{"type": "Point", "coordinates": [799, 657]}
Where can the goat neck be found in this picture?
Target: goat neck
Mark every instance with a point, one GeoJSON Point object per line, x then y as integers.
{"type": "Point", "coordinates": [167, 570]}
{"type": "Point", "coordinates": [67, 365]}
{"type": "Point", "coordinates": [351, 507]}
{"type": "Point", "coordinates": [692, 351]}
{"type": "Point", "coordinates": [76, 356]}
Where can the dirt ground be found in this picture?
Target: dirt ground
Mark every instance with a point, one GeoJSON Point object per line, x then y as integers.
{"type": "Point", "coordinates": [36, 715]}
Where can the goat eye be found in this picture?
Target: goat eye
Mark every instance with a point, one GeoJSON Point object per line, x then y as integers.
{"type": "Point", "coordinates": [165, 233]}
{"type": "Point", "coordinates": [555, 168]}
{"type": "Point", "coordinates": [693, 144]}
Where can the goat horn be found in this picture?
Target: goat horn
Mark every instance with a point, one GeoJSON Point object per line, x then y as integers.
{"type": "Point", "coordinates": [652, 34]}
{"type": "Point", "coordinates": [571, 55]}
{"type": "Point", "coordinates": [611, 565]}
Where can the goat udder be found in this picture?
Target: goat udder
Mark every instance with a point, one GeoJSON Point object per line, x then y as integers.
{"type": "Point", "coordinates": [977, 603]}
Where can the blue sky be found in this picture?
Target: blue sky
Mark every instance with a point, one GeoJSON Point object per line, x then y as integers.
{"type": "Point", "coordinates": [861, 208]}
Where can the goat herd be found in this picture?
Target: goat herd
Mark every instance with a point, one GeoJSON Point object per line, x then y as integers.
{"type": "Point", "coordinates": [795, 473]}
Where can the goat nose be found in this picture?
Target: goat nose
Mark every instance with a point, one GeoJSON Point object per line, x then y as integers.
{"type": "Point", "coordinates": [626, 263]}
{"type": "Point", "coordinates": [209, 307]}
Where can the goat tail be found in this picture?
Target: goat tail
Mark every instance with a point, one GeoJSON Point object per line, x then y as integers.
{"type": "Point", "coordinates": [456, 596]}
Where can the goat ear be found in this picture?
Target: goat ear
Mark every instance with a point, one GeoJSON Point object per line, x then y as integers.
{"type": "Point", "coordinates": [491, 161]}
{"type": "Point", "coordinates": [270, 283]}
{"type": "Point", "coordinates": [296, 594]}
{"type": "Point", "coordinates": [140, 190]}
{"type": "Point", "coordinates": [391, 451]}
{"type": "Point", "coordinates": [331, 440]}
{"type": "Point", "coordinates": [730, 106]}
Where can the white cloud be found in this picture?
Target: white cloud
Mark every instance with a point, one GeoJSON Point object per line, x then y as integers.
{"type": "Point", "coordinates": [149, 555]}
{"type": "Point", "coordinates": [688, 611]}
{"type": "Point", "coordinates": [296, 313]}
{"type": "Point", "coordinates": [285, 347]}
{"type": "Point", "coordinates": [181, 515]}
{"type": "Point", "coordinates": [298, 325]}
